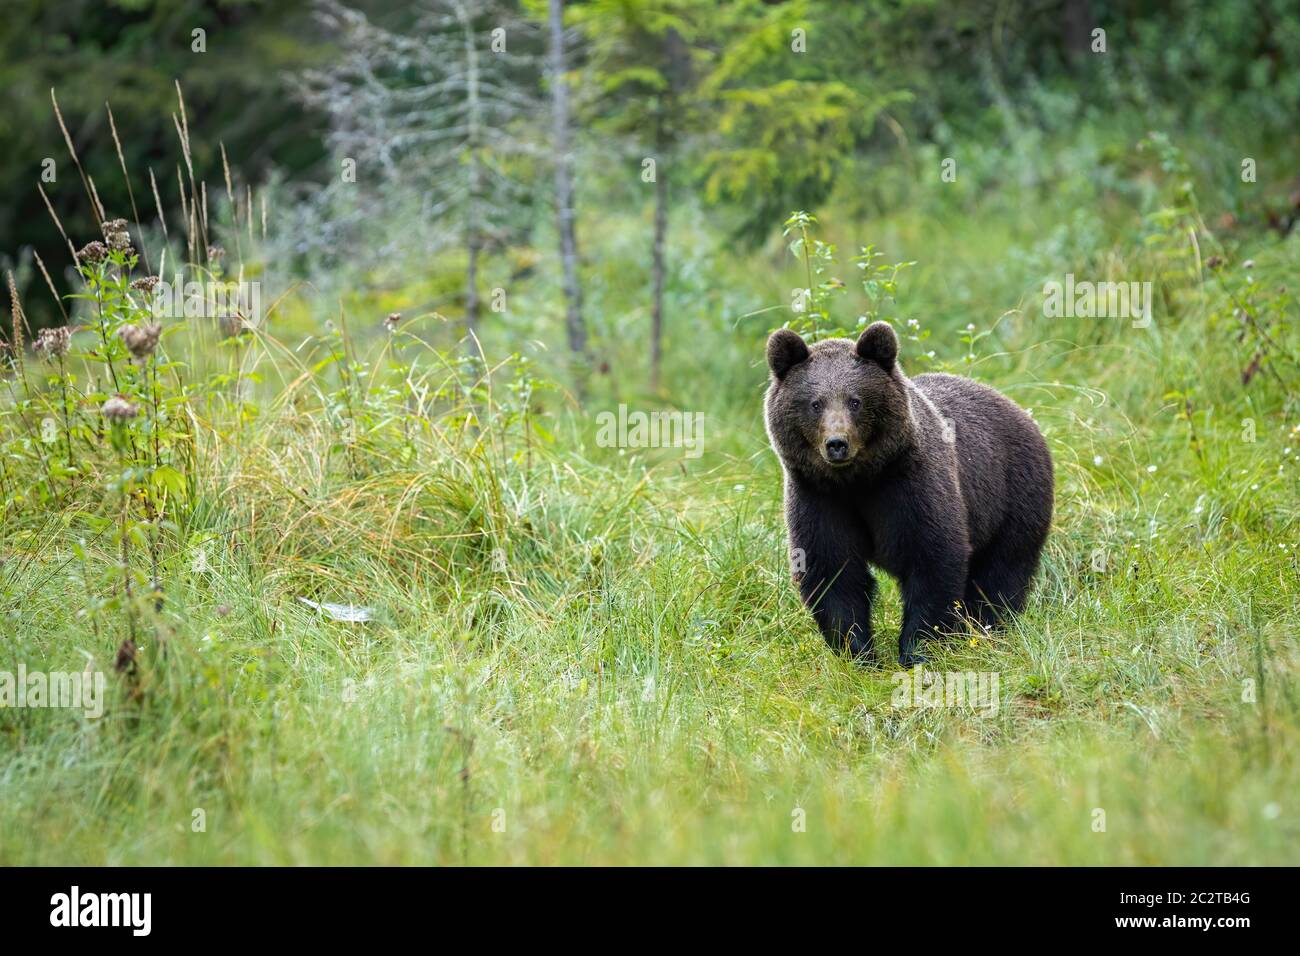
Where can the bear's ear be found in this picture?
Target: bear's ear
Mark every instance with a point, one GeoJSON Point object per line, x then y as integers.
{"type": "Point", "coordinates": [878, 344]}
{"type": "Point", "coordinates": [785, 350]}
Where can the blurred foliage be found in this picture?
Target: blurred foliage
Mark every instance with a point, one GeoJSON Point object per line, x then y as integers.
{"type": "Point", "coordinates": [767, 105]}
{"type": "Point", "coordinates": [130, 54]}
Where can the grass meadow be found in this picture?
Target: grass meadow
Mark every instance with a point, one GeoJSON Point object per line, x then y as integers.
{"type": "Point", "coordinates": [580, 654]}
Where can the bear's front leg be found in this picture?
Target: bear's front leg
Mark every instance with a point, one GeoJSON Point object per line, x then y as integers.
{"type": "Point", "coordinates": [931, 602]}
{"type": "Point", "coordinates": [834, 581]}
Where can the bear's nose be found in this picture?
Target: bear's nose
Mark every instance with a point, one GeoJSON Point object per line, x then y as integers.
{"type": "Point", "coordinates": [837, 449]}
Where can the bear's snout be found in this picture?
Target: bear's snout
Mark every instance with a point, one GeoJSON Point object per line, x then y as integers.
{"type": "Point", "coordinates": [837, 435]}
{"type": "Point", "coordinates": [837, 449]}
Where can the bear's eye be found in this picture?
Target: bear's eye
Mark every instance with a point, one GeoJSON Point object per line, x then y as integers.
{"type": "Point", "coordinates": [817, 405]}
{"type": "Point", "coordinates": [854, 405]}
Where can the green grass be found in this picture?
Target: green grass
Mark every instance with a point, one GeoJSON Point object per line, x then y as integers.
{"type": "Point", "coordinates": [588, 655]}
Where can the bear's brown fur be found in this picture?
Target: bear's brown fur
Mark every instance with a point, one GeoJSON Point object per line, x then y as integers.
{"type": "Point", "coordinates": [940, 481]}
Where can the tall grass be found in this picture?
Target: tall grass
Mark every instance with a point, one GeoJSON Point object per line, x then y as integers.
{"type": "Point", "coordinates": [591, 655]}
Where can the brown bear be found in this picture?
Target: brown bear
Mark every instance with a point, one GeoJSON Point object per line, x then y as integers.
{"type": "Point", "coordinates": [940, 481]}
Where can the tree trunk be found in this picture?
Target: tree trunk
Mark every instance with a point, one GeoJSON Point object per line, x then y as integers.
{"type": "Point", "coordinates": [564, 203]}
{"type": "Point", "coordinates": [657, 307]}
{"type": "Point", "coordinates": [473, 232]}
{"type": "Point", "coordinates": [473, 245]}
{"type": "Point", "coordinates": [1076, 28]}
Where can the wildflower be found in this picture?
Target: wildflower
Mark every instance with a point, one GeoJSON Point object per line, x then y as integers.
{"type": "Point", "coordinates": [1248, 264]}
{"type": "Point", "coordinates": [93, 251]}
{"type": "Point", "coordinates": [145, 283]}
{"type": "Point", "coordinates": [390, 323]}
{"type": "Point", "coordinates": [116, 235]}
{"type": "Point", "coordinates": [124, 661]}
{"type": "Point", "coordinates": [141, 340]}
{"type": "Point", "coordinates": [54, 342]}
{"type": "Point", "coordinates": [120, 242]}
{"type": "Point", "coordinates": [118, 409]}
{"type": "Point", "coordinates": [233, 325]}
{"type": "Point", "coordinates": [215, 253]}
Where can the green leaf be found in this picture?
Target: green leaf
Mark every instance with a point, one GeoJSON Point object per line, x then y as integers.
{"type": "Point", "coordinates": [165, 476]}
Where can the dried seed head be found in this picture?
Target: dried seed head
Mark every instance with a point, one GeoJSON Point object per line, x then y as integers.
{"type": "Point", "coordinates": [145, 283]}
{"type": "Point", "coordinates": [233, 325]}
{"type": "Point", "coordinates": [118, 409]}
{"type": "Point", "coordinates": [54, 342]}
{"type": "Point", "coordinates": [215, 253]}
{"type": "Point", "coordinates": [93, 251]}
{"type": "Point", "coordinates": [1214, 262]}
{"type": "Point", "coordinates": [124, 661]}
{"type": "Point", "coordinates": [141, 340]}
{"type": "Point", "coordinates": [390, 323]}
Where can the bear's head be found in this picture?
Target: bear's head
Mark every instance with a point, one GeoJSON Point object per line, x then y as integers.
{"type": "Point", "coordinates": [837, 410]}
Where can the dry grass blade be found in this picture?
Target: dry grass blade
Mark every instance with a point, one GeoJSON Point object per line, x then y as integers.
{"type": "Point", "coordinates": [55, 216]}
{"type": "Point", "coordinates": [67, 139]}
{"type": "Point", "coordinates": [186, 214]}
{"type": "Point", "coordinates": [94, 194]}
{"type": "Point", "coordinates": [203, 205]}
{"type": "Point", "coordinates": [225, 168]}
{"type": "Point", "coordinates": [121, 160]}
{"type": "Point", "coordinates": [158, 205]}
{"type": "Point", "coordinates": [183, 133]}
{"type": "Point", "coordinates": [40, 264]}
